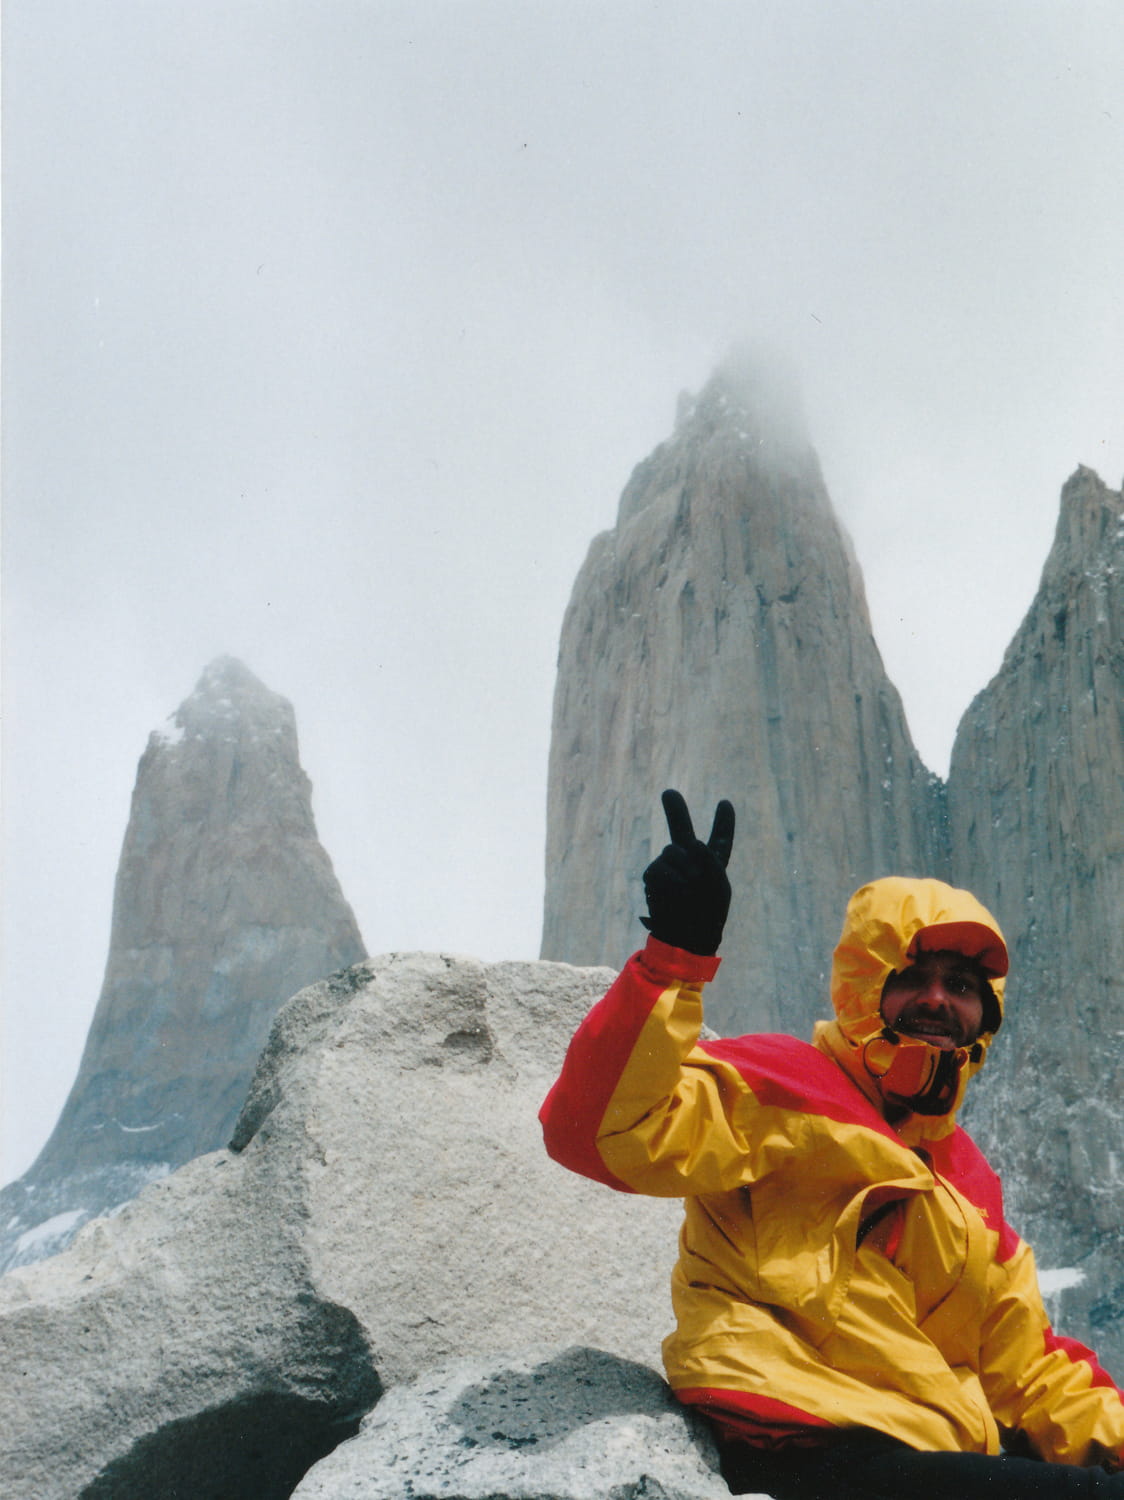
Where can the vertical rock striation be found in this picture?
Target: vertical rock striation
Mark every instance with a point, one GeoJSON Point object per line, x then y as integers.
{"type": "Point", "coordinates": [225, 904]}
{"type": "Point", "coordinates": [1036, 804]}
{"type": "Point", "coordinates": [718, 640]}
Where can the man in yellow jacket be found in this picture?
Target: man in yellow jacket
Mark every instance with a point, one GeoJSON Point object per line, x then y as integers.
{"type": "Point", "coordinates": [854, 1314]}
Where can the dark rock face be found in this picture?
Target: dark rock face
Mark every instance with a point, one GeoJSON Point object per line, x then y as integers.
{"type": "Point", "coordinates": [718, 641]}
{"type": "Point", "coordinates": [538, 1425]}
{"type": "Point", "coordinates": [261, 1444]}
{"type": "Point", "coordinates": [1036, 801]}
{"type": "Point", "coordinates": [225, 904]}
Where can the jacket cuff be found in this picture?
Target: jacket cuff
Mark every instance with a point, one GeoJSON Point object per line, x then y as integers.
{"type": "Point", "coordinates": [663, 961]}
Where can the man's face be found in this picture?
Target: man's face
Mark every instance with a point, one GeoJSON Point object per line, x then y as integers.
{"type": "Point", "coordinates": [939, 999]}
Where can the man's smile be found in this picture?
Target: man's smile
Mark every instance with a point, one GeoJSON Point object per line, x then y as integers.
{"type": "Point", "coordinates": [947, 1035]}
{"type": "Point", "coordinates": [938, 999]}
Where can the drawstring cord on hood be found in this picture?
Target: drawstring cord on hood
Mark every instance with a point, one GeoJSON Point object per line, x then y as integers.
{"type": "Point", "coordinates": [916, 1072]}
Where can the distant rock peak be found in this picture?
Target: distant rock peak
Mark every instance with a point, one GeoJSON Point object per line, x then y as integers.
{"type": "Point", "coordinates": [228, 688]}
{"type": "Point", "coordinates": [1091, 517]}
{"type": "Point", "coordinates": [225, 904]}
{"type": "Point", "coordinates": [226, 676]}
{"type": "Point", "coordinates": [227, 703]}
{"type": "Point", "coordinates": [745, 428]}
{"type": "Point", "coordinates": [719, 641]}
{"type": "Point", "coordinates": [753, 393]}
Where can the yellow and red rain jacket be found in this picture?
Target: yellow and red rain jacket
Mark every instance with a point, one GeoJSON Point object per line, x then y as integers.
{"type": "Point", "coordinates": [833, 1271]}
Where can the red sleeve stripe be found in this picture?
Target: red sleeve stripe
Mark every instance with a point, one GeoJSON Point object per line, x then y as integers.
{"type": "Point", "coordinates": [1079, 1354]}
{"type": "Point", "coordinates": [760, 1420]}
{"type": "Point", "coordinates": [600, 1050]}
{"type": "Point", "coordinates": [791, 1074]}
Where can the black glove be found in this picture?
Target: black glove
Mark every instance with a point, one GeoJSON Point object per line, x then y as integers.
{"type": "Point", "coordinates": [686, 888]}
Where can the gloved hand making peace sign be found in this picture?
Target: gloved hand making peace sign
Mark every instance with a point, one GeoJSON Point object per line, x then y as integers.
{"type": "Point", "coordinates": [686, 887]}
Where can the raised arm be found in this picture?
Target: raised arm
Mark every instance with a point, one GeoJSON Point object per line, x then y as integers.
{"type": "Point", "coordinates": [637, 1105]}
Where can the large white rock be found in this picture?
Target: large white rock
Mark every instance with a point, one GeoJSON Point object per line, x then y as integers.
{"type": "Point", "coordinates": [410, 1111]}
{"type": "Point", "coordinates": [390, 1206]}
{"type": "Point", "coordinates": [574, 1424]}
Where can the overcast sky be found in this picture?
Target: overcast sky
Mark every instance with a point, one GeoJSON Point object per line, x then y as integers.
{"type": "Point", "coordinates": [333, 331]}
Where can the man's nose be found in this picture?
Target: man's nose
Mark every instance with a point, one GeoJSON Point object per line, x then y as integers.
{"type": "Point", "coordinates": [934, 994]}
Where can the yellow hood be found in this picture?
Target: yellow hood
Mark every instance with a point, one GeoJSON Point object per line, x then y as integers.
{"type": "Point", "coordinates": [886, 925]}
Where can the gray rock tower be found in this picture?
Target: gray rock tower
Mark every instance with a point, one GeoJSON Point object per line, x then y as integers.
{"type": "Point", "coordinates": [1036, 804]}
{"type": "Point", "coordinates": [718, 641]}
{"type": "Point", "coordinates": [225, 905]}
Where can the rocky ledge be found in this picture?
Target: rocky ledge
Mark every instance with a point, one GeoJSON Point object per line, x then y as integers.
{"type": "Point", "coordinates": [386, 1206]}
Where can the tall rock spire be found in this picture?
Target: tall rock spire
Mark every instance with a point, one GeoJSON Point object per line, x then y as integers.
{"type": "Point", "coordinates": [225, 905]}
{"type": "Point", "coordinates": [718, 640]}
{"type": "Point", "coordinates": [1036, 805]}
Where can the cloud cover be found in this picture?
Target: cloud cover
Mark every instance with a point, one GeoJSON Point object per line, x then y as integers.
{"type": "Point", "coordinates": [333, 330]}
